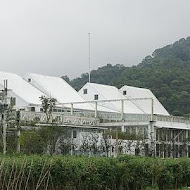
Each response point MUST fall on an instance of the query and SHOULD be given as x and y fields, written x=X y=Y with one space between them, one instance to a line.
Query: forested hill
x=166 y=73
x=103 y=75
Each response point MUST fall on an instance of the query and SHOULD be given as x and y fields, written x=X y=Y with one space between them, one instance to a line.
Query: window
x=32 y=108
x=41 y=109
x=29 y=80
x=96 y=97
x=75 y=134
x=157 y=150
x=13 y=101
x=124 y=92
x=85 y=91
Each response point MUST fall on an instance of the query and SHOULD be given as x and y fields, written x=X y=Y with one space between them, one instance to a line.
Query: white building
x=93 y=91
x=109 y=108
x=144 y=116
x=59 y=89
x=145 y=97
x=26 y=96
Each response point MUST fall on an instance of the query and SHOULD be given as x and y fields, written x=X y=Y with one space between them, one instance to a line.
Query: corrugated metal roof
x=145 y=105
x=21 y=88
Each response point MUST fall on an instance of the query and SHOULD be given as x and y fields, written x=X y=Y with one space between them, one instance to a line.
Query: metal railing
x=172 y=119
x=59 y=118
x=86 y=117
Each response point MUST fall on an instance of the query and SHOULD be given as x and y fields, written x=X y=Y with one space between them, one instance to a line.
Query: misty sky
x=51 y=36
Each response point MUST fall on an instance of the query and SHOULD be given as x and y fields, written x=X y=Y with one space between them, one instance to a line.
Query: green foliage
x=166 y=73
x=167 y=78
x=83 y=173
x=42 y=140
x=103 y=75
x=48 y=105
x=31 y=142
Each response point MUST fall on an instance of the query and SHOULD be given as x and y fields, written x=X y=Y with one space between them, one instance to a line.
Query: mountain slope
x=103 y=75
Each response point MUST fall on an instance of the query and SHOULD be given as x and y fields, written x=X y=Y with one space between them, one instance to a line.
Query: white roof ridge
x=40 y=86
x=107 y=85
x=9 y=73
x=57 y=88
x=141 y=88
x=55 y=77
x=20 y=88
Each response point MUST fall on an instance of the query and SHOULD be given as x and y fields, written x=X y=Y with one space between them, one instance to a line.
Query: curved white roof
x=145 y=105
x=57 y=88
x=21 y=88
x=106 y=92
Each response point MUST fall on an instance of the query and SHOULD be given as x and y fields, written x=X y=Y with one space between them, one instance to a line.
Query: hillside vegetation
x=103 y=75
x=166 y=73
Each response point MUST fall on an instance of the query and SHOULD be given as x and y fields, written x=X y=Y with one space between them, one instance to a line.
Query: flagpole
x=89 y=59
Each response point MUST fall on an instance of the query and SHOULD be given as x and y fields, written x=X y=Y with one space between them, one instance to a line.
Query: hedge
x=95 y=173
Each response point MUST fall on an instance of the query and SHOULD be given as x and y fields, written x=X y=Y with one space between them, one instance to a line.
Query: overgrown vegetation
x=44 y=140
x=166 y=73
x=83 y=173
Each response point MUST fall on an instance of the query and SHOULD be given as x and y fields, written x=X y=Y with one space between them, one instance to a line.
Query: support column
x=186 y=136
x=71 y=108
x=96 y=110
x=152 y=139
x=117 y=144
x=122 y=110
x=18 y=145
x=152 y=108
x=71 y=152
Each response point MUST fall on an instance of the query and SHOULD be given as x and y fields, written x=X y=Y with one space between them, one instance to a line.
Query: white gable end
x=19 y=88
x=131 y=92
x=106 y=92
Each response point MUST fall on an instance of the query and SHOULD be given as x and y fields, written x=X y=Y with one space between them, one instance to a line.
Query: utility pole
x=4 y=117
x=18 y=129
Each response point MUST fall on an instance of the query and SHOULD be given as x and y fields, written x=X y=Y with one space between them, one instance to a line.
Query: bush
x=83 y=173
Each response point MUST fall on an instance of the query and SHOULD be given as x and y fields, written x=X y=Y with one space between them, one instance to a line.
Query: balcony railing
x=89 y=117
x=172 y=119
